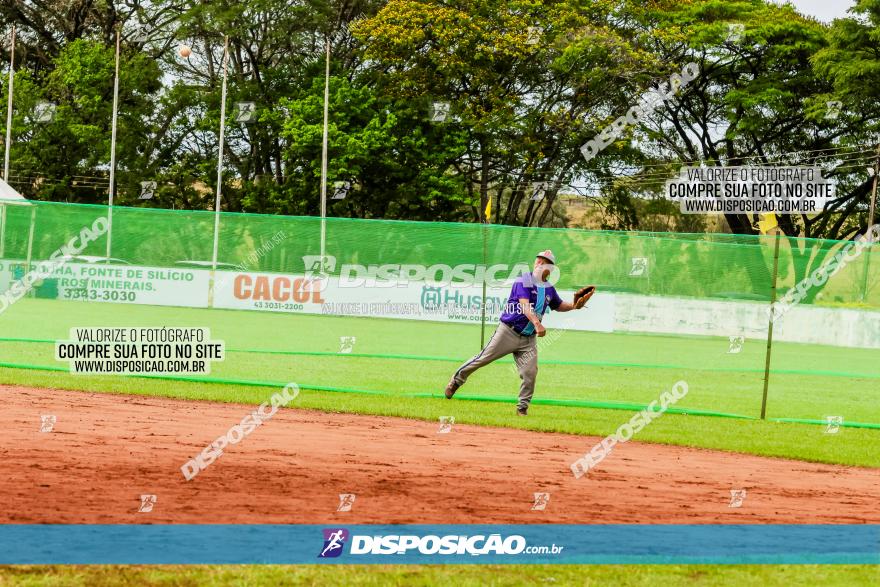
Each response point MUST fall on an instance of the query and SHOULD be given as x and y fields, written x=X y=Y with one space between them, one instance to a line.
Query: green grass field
x=586 y=372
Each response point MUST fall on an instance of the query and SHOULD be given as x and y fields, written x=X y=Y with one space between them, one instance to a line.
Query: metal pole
x=770 y=325
x=873 y=207
x=485 y=264
x=8 y=140
x=9 y=108
x=324 y=154
x=2 y=230
x=113 y=152
x=219 y=190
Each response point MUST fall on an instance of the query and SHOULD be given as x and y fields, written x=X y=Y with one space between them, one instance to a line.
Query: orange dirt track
x=106 y=450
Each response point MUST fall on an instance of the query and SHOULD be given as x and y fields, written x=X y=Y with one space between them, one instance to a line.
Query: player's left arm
x=581 y=297
x=558 y=305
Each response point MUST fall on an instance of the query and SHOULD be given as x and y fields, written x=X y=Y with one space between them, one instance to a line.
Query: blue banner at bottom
x=433 y=544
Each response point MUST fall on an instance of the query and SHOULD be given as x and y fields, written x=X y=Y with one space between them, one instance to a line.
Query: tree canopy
x=436 y=108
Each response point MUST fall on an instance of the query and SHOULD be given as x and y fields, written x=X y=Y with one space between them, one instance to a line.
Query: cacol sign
x=266 y=291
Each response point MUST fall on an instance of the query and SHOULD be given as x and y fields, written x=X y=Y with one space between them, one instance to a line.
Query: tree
x=73 y=146
x=394 y=158
x=521 y=79
x=852 y=64
x=757 y=101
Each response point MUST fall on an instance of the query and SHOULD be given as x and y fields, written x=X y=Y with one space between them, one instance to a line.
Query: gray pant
x=504 y=342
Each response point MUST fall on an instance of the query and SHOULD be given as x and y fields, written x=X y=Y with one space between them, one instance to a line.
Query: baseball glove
x=582 y=295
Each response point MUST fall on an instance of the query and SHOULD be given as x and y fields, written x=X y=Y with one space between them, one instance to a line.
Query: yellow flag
x=488 y=214
x=767 y=223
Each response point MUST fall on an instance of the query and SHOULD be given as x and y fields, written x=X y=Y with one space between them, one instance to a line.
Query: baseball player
x=530 y=297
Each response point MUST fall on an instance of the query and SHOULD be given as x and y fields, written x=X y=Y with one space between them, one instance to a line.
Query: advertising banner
x=411 y=300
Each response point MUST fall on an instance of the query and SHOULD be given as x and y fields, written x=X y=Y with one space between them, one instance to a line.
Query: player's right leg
x=503 y=342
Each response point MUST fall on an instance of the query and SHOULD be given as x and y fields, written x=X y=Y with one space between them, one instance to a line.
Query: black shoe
x=522 y=411
x=451 y=389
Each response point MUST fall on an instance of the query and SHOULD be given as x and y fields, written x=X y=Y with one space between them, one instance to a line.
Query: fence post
x=770 y=324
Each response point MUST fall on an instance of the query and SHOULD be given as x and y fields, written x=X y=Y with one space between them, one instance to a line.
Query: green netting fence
x=672 y=307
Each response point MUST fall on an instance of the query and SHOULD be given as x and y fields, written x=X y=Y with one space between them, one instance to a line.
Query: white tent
x=10 y=197
x=7 y=193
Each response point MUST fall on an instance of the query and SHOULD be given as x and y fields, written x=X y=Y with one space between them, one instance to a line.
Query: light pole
x=873 y=207
x=324 y=146
x=9 y=107
x=219 y=190
x=113 y=152
x=8 y=140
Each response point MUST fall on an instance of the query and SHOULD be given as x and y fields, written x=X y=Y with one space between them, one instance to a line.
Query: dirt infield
x=105 y=451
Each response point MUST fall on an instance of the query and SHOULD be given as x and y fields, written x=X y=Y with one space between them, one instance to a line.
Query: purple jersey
x=540 y=297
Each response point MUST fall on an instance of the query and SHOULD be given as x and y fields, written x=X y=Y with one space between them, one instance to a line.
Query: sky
x=825 y=10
